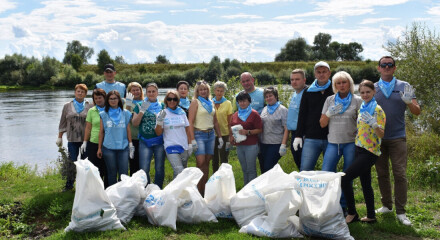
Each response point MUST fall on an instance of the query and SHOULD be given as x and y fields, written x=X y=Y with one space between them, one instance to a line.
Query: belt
x=205 y=131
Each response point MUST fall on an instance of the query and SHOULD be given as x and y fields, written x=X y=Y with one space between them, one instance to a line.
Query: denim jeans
x=333 y=153
x=73 y=149
x=178 y=162
x=116 y=162
x=296 y=154
x=269 y=155
x=205 y=142
x=145 y=156
x=247 y=155
x=312 y=148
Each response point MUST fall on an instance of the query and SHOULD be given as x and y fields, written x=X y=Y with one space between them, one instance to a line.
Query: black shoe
x=354 y=219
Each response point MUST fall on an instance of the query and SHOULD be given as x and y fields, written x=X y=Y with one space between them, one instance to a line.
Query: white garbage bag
x=219 y=190
x=92 y=209
x=192 y=207
x=127 y=194
x=250 y=201
x=281 y=221
x=140 y=210
x=237 y=136
x=321 y=214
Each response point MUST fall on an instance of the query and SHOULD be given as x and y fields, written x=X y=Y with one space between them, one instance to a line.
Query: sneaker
x=403 y=219
x=383 y=209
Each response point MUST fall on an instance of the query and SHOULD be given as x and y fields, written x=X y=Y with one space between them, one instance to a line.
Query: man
x=394 y=96
x=110 y=83
x=248 y=84
x=298 y=83
x=312 y=101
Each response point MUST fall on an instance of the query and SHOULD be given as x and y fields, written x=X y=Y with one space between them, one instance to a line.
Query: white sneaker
x=383 y=209
x=403 y=219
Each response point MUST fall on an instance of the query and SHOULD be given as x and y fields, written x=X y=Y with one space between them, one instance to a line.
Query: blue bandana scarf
x=115 y=114
x=272 y=108
x=154 y=107
x=178 y=110
x=79 y=106
x=387 y=87
x=243 y=114
x=369 y=107
x=295 y=99
x=344 y=101
x=219 y=102
x=100 y=109
x=184 y=102
x=316 y=88
x=137 y=101
x=206 y=104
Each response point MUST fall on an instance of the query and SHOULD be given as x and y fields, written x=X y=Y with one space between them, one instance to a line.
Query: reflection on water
x=29 y=125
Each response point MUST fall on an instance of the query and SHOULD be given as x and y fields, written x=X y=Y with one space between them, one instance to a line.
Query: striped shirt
x=273 y=125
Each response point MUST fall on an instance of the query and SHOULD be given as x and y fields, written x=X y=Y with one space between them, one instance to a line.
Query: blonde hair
x=199 y=84
x=342 y=75
x=136 y=84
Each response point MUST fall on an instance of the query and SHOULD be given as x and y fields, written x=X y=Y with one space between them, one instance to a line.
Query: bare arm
x=414 y=107
x=217 y=127
x=87 y=131
x=379 y=132
x=159 y=130
x=192 y=111
x=187 y=130
x=137 y=117
x=285 y=136
x=101 y=138
x=129 y=132
x=323 y=121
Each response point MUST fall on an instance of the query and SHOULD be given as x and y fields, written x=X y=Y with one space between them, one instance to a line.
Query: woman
x=183 y=88
x=247 y=150
x=149 y=142
x=274 y=137
x=202 y=122
x=223 y=112
x=91 y=134
x=370 y=126
x=115 y=137
x=174 y=125
x=135 y=95
x=73 y=121
x=339 y=113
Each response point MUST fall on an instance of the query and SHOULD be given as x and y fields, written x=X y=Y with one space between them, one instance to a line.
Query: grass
x=32 y=205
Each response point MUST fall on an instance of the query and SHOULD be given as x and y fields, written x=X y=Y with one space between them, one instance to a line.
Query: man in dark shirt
x=315 y=137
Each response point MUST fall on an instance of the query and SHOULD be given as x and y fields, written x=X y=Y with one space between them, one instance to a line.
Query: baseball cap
x=109 y=66
x=321 y=64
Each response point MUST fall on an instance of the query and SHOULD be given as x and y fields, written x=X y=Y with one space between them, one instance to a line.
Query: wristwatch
x=249 y=132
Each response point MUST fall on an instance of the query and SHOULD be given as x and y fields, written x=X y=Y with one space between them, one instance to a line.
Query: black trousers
x=92 y=148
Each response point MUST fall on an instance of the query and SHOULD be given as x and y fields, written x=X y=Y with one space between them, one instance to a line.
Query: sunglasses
x=200 y=82
x=108 y=71
x=172 y=99
x=384 y=65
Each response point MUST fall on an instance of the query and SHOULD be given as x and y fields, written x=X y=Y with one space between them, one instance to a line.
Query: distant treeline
x=24 y=71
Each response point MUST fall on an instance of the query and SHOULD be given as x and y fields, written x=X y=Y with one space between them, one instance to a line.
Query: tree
x=418 y=55
x=103 y=59
x=75 y=47
x=321 y=48
x=350 y=52
x=214 y=70
x=76 y=61
x=120 y=60
x=294 y=50
x=161 y=59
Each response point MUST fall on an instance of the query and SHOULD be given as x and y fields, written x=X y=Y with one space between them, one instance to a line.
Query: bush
x=265 y=77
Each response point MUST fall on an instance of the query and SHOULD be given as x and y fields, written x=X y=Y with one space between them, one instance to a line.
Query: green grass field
x=33 y=206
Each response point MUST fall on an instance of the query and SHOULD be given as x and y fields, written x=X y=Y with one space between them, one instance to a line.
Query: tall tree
x=321 y=48
x=120 y=60
x=161 y=59
x=75 y=47
x=294 y=50
x=214 y=70
x=350 y=52
x=103 y=59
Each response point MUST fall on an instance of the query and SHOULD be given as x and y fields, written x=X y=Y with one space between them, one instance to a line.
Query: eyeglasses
x=384 y=65
x=172 y=99
x=200 y=82
x=113 y=99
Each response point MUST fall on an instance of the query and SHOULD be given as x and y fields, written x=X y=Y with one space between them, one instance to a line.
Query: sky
x=195 y=31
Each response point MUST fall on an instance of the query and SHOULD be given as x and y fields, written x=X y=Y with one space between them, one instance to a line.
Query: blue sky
x=195 y=31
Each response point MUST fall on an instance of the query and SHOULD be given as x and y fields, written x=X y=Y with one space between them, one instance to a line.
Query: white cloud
x=126 y=38
x=108 y=36
x=161 y=3
x=7 y=5
x=259 y=2
x=241 y=15
x=434 y=10
x=189 y=10
x=377 y=20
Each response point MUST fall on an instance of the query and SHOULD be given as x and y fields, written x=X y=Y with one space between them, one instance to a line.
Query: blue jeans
x=296 y=154
x=247 y=155
x=312 y=148
x=73 y=149
x=332 y=155
x=145 y=156
x=205 y=142
x=269 y=155
x=116 y=162
x=178 y=162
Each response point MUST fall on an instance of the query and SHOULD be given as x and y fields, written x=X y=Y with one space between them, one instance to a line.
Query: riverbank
x=33 y=205
x=4 y=88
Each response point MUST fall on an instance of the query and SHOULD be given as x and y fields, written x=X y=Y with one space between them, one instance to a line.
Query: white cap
x=321 y=64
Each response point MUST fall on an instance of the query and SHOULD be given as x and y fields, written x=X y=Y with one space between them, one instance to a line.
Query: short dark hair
x=394 y=62
x=98 y=92
x=182 y=82
x=113 y=92
x=271 y=90
x=243 y=96
x=366 y=83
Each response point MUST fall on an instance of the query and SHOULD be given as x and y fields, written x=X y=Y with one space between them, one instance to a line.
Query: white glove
x=129 y=100
x=131 y=147
x=333 y=110
x=194 y=145
x=145 y=105
x=190 y=149
x=220 y=142
x=370 y=120
x=83 y=147
x=160 y=117
x=407 y=94
x=228 y=146
x=296 y=142
x=59 y=142
x=282 y=150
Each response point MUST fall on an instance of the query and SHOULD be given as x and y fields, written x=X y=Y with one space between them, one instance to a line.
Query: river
x=29 y=126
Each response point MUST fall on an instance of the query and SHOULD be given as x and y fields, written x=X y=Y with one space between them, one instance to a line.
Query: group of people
x=124 y=130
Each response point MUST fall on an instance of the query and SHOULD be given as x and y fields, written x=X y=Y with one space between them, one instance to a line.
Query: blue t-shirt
x=293 y=111
x=394 y=108
x=115 y=136
x=107 y=87
x=257 y=98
